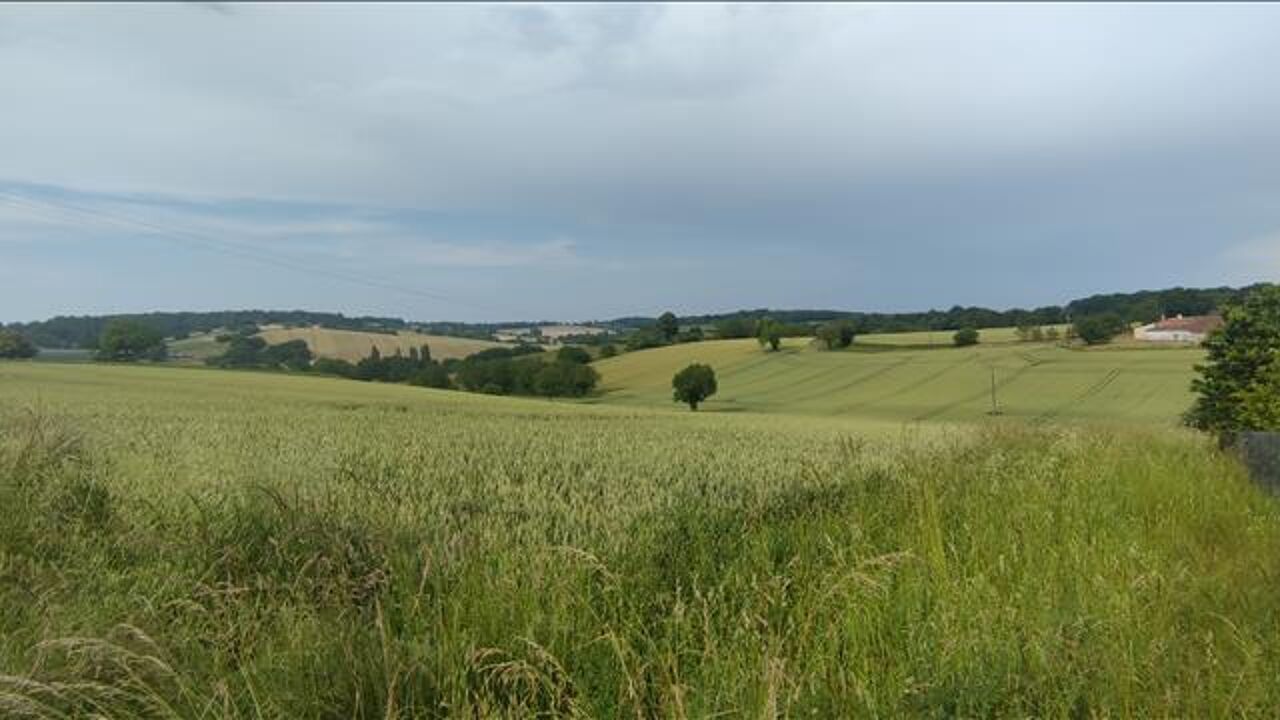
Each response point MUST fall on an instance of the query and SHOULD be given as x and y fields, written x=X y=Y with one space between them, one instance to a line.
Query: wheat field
x=200 y=543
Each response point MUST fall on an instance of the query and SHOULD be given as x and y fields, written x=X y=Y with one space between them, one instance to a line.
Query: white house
x=1193 y=329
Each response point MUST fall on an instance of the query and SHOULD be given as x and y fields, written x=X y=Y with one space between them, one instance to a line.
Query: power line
x=227 y=247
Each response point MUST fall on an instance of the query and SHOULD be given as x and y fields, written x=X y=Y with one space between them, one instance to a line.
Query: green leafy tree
x=608 y=351
x=693 y=334
x=643 y=339
x=573 y=354
x=125 y=340
x=432 y=375
x=293 y=355
x=836 y=334
x=1239 y=382
x=565 y=379
x=667 y=326
x=769 y=333
x=14 y=344
x=333 y=366
x=693 y=384
x=965 y=337
x=1099 y=329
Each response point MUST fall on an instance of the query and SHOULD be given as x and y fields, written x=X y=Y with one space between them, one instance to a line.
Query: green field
x=943 y=338
x=1036 y=382
x=204 y=543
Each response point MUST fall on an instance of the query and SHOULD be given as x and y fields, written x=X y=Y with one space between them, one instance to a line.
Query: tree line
x=84 y=331
x=519 y=370
x=1141 y=306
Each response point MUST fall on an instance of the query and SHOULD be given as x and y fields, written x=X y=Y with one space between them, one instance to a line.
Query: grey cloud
x=866 y=132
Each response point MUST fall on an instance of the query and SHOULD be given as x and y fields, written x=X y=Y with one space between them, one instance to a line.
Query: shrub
x=965 y=337
x=1098 y=329
x=836 y=334
x=566 y=379
x=572 y=354
x=14 y=344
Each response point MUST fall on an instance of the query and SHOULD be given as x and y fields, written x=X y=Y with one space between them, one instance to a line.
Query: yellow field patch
x=352 y=345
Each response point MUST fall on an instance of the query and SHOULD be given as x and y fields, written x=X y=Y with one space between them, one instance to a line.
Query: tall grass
x=498 y=559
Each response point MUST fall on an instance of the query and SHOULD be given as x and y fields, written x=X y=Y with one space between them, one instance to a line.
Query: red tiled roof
x=1196 y=323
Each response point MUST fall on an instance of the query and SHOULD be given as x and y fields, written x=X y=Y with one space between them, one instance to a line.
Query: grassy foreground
x=189 y=543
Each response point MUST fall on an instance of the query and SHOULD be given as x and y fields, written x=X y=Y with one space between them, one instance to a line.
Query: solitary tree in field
x=14 y=344
x=124 y=340
x=1238 y=386
x=769 y=333
x=668 y=326
x=694 y=384
x=965 y=337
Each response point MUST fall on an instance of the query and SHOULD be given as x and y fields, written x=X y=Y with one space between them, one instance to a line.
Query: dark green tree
x=291 y=355
x=333 y=366
x=668 y=326
x=693 y=384
x=1237 y=385
x=14 y=344
x=432 y=375
x=693 y=334
x=126 y=340
x=565 y=379
x=1099 y=329
x=573 y=354
x=836 y=334
x=769 y=333
x=608 y=351
x=965 y=337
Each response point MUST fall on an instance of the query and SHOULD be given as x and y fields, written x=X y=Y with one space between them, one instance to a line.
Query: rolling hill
x=350 y=345
x=1039 y=382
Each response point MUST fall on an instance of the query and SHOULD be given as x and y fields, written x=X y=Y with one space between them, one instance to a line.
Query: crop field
x=1034 y=382
x=196 y=348
x=943 y=337
x=199 y=543
x=351 y=345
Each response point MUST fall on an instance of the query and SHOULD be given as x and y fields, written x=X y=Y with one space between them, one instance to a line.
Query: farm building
x=1193 y=329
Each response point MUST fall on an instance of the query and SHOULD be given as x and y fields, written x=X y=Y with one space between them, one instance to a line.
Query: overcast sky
x=587 y=161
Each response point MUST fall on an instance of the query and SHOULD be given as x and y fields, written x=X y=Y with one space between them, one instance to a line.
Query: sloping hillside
x=1033 y=381
x=351 y=345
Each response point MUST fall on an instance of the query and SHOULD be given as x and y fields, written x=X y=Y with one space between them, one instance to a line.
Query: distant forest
x=1142 y=306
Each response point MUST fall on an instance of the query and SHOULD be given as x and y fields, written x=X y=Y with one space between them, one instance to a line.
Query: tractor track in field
x=820 y=374
x=876 y=373
x=1097 y=387
x=941 y=409
x=909 y=386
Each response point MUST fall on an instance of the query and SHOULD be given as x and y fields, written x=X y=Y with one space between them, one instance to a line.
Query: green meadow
x=1033 y=382
x=193 y=543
